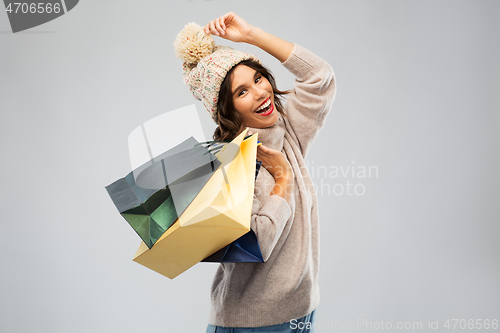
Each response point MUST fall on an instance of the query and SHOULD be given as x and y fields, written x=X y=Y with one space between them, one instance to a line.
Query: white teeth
x=263 y=106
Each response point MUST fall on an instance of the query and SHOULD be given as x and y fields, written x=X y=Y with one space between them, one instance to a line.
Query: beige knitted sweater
x=286 y=285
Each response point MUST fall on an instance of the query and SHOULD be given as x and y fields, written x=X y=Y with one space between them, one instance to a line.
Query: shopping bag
x=154 y=195
x=244 y=249
x=218 y=215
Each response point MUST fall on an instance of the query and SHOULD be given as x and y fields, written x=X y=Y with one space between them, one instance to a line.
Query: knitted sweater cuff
x=296 y=64
x=277 y=208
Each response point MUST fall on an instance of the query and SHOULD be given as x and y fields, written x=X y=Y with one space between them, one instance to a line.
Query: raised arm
x=312 y=97
x=232 y=27
x=314 y=89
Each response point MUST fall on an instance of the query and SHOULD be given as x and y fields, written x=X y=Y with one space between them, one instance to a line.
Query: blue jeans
x=301 y=325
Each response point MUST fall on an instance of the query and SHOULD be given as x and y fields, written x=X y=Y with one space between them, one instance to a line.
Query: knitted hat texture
x=205 y=65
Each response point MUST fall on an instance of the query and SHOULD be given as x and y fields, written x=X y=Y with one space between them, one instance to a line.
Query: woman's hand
x=230 y=26
x=274 y=162
x=277 y=165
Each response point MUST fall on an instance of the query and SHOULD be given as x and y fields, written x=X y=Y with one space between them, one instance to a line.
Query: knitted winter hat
x=205 y=65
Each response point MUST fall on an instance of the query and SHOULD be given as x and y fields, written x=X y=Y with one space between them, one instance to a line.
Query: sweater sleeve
x=314 y=91
x=268 y=221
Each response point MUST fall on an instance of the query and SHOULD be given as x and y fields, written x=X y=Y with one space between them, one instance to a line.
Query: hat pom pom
x=193 y=44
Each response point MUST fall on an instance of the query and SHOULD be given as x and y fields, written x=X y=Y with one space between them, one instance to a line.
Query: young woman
x=281 y=294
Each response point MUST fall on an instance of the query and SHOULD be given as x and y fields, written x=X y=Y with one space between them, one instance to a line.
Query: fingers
x=222 y=23
x=274 y=162
x=268 y=151
x=213 y=30
x=263 y=153
x=228 y=17
x=210 y=28
x=268 y=156
x=216 y=27
x=263 y=150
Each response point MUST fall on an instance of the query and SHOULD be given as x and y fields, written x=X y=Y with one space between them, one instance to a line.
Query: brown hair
x=229 y=120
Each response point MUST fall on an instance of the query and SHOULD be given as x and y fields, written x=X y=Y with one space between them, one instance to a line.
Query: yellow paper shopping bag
x=218 y=215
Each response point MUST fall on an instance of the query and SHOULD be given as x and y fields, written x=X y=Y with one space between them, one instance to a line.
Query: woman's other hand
x=274 y=162
x=229 y=26
x=277 y=165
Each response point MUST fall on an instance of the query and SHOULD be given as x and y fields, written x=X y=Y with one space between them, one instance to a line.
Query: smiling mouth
x=264 y=107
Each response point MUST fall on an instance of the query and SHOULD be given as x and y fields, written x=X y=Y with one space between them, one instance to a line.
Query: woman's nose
x=259 y=93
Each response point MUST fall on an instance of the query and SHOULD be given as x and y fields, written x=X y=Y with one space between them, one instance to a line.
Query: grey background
x=417 y=97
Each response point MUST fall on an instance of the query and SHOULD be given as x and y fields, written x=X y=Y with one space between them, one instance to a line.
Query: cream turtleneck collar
x=272 y=136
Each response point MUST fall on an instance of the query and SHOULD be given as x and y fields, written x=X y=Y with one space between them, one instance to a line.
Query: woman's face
x=253 y=97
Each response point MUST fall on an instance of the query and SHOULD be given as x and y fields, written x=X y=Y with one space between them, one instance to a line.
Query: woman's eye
x=258 y=79
x=241 y=92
